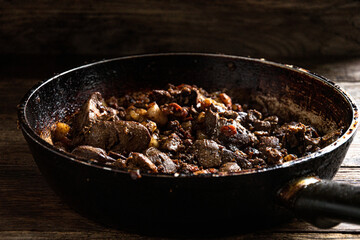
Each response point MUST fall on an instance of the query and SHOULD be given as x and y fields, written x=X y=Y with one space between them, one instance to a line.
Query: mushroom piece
x=207 y=153
x=161 y=160
x=229 y=167
x=140 y=161
x=90 y=152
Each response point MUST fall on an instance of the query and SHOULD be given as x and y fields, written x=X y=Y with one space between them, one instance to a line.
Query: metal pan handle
x=323 y=203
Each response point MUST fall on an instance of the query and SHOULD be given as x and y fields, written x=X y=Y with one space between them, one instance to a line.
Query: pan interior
x=281 y=90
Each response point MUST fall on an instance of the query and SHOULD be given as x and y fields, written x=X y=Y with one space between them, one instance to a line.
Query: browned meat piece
x=137 y=99
x=161 y=97
x=161 y=160
x=270 y=141
x=120 y=163
x=262 y=125
x=187 y=97
x=261 y=133
x=273 y=120
x=207 y=153
x=174 y=110
x=242 y=160
x=311 y=140
x=211 y=122
x=140 y=161
x=172 y=143
x=188 y=168
x=182 y=130
x=229 y=114
x=298 y=138
x=101 y=134
x=132 y=136
x=113 y=102
x=290 y=134
x=310 y=132
x=240 y=139
x=253 y=115
x=116 y=155
x=174 y=125
x=93 y=109
x=258 y=163
x=118 y=136
x=188 y=142
x=331 y=137
x=238 y=156
x=206 y=171
x=252 y=152
x=230 y=167
x=241 y=117
x=228 y=131
x=272 y=155
x=270 y=149
x=228 y=156
x=90 y=152
x=217 y=107
x=187 y=126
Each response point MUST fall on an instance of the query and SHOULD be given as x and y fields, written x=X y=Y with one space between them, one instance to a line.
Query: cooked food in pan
x=183 y=130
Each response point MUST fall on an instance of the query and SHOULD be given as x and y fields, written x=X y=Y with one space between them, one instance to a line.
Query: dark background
x=63 y=34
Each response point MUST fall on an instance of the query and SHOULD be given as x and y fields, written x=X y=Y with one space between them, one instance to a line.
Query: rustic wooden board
x=249 y=28
x=29 y=209
x=336 y=69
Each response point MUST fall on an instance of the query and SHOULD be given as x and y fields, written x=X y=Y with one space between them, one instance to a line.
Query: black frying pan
x=237 y=202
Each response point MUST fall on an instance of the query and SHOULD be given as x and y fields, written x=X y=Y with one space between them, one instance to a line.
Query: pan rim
x=350 y=131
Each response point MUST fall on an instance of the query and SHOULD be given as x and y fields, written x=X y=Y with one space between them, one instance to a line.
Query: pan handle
x=323 y=203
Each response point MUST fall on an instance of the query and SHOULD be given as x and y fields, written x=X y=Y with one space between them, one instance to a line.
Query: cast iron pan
x=205 y=204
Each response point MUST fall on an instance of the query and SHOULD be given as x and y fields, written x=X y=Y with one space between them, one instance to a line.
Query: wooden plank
x=13 y=148
x=27 y=203
x=336 y=69
x=30 y=210
x=353 y=88
x=348 y=175
x=255 y=28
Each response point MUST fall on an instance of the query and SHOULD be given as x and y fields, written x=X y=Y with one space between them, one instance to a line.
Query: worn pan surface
x=162 y=203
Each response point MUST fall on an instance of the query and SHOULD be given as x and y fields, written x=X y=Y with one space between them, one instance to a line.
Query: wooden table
x=29 y=209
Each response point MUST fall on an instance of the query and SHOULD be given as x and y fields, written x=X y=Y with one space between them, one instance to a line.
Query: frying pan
x=205 y=203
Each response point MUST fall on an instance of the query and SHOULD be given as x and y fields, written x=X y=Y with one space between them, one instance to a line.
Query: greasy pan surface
x=157 y=203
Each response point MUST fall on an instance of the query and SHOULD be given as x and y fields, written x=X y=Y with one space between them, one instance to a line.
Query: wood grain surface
x=271 y=28
x=30 y=210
